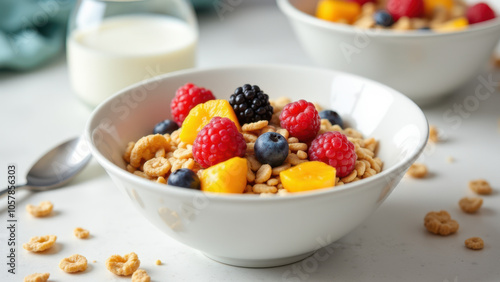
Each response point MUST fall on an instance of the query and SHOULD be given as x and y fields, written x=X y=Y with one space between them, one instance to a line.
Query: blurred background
x=32 y=32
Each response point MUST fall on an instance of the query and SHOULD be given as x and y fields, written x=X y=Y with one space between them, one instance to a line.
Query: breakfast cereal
x=417 y=170
x=81 y=233
x=40 y=243
x=440 y=223
x=156 y=157
x=405 y=15
x=474 y=243
x=37 y=277
x=43 y=209
x=140 y=275
x=73 y=263
x=470 y=205
x=123 y=265
x=433 y=134
x=480 y=186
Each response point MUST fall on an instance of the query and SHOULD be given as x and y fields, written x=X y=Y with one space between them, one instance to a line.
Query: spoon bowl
x=58 y=166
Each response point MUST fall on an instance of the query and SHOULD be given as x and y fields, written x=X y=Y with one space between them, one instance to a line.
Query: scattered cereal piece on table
x=450 y=159
x=470 y=205
x=440 y=223
x=158 y=262
x=474 y=243
x=417 y=170
x=480 y=186
x=40 y=243
x=140 y=275
x=123 y=265
x=74 y=263
x=81 y=233
x=43 y=209
x=37 y=277
x=433 y=134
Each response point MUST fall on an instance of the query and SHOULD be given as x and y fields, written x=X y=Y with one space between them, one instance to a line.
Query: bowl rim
x=175 y=191
x=290 y=10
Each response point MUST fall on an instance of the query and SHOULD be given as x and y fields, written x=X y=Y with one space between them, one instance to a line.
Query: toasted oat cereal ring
x=148 y=146
x=43 y=209
x=128 y=151
x=40 y=243
x=74 y=263
x=81 y=233
x=440 y=223
x=474 y=243
x=470 y=205
x=140 y=275
x=417 y=170
x=123 y=266
x=157 y=167
x=37 y=277
x=433 y=134
x=480 y=186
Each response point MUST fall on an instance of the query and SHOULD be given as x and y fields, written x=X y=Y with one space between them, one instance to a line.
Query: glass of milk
x=113 y=44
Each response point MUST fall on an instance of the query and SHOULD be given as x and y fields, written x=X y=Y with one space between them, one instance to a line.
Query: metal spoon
x=57 y=167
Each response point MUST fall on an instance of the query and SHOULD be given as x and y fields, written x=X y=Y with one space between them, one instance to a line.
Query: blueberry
x=383 y=18
x=184 y=177
x=166 y=126
x=271 y=148
x=332 y=116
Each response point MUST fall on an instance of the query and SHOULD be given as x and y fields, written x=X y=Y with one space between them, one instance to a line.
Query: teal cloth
x=34 y=31
x=31 y=31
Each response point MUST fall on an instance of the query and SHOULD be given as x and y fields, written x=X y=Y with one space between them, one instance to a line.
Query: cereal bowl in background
x=251 y=230
x=423 y=65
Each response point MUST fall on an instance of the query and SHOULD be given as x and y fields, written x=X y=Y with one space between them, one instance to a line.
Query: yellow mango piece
x=308 y=176
x=338 y=11
x=201 y=114
x=453 y=25
x=431 y=5
x=226 y=177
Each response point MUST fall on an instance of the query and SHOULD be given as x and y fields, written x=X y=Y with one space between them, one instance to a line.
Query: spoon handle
x=4 y=191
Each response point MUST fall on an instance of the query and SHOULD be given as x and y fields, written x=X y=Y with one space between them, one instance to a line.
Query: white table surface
x=38 y=110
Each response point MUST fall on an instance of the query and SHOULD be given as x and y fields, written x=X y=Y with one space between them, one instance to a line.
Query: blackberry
x=250 y=104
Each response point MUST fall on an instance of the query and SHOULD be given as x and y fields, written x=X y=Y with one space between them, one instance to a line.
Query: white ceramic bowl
x=425 y=66
x=248 y=230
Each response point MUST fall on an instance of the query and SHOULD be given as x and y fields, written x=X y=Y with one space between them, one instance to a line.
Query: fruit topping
x=250 y=104
x=308 y=176
x=166 y=126
x=184 y=177
x=271 y=148
x=186 y=98
x=218 y=141
x=332 y=116
x=301 y=119
x=334 y=149
x=201 y=115
x=226 y=177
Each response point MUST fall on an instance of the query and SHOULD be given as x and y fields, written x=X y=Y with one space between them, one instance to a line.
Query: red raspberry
x=334 y=149
x=218 y=141
x=186 y=98
x=301 y=119
x=479 y=13
x=405 y=8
